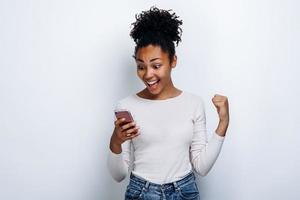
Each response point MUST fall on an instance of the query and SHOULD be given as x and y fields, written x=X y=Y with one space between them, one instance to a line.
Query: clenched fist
x=221 y=103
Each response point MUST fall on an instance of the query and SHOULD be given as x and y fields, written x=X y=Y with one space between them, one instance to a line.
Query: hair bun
x=156 y=22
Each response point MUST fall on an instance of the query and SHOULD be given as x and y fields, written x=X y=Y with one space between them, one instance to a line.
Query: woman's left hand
x=221 y=103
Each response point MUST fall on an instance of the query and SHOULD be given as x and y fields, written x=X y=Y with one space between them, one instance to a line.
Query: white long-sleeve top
x=172 y=140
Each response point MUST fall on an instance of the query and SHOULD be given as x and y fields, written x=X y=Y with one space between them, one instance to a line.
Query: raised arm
x=204 y=153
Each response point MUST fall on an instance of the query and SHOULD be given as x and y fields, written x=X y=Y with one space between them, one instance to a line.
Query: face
x=154 y=69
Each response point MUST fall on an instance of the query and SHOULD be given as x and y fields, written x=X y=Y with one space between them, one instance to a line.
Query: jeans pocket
x=133 y=192
x=189 y=191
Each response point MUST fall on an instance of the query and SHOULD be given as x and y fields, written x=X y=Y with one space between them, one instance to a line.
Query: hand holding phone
x=123 y=113
x=124 y=129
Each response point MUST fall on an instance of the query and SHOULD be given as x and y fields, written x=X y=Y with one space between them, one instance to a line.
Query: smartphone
x=123 y=113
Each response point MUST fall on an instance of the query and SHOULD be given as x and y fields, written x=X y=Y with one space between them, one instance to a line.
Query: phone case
x=123 y=113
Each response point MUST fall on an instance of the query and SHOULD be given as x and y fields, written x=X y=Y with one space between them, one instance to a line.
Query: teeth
x=152 y=82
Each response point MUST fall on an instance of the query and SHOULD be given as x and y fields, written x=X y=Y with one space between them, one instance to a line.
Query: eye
x=157 y=65
x=140 y=67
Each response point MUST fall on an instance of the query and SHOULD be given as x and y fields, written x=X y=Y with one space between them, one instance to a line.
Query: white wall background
x=64 y=64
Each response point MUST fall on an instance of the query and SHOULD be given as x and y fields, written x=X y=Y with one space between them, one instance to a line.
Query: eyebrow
x=143 y=61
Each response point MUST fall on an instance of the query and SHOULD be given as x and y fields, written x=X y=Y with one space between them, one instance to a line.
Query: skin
x=153 y=64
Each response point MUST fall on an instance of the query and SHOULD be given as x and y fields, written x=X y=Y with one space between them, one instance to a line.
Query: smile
x=153 y=85
x=152 y=82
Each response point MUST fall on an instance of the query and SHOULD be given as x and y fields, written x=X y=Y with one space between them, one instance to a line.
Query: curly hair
x=157 y=27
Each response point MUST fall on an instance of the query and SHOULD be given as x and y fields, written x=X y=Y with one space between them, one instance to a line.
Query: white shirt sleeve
x=118 y=164
x=203 y=154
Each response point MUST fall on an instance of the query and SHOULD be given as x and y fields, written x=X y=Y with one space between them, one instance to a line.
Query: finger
x=131 y=131
x=218 y=100
x=130 y=136
x=134 y=135
x=134 y=129
x=128 y=125
x=218 y=95
x=119 y=121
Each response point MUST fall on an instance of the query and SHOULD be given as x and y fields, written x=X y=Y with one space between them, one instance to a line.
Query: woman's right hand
x=124 y=131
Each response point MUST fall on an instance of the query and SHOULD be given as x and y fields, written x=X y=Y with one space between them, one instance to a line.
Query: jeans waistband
x=147 y=183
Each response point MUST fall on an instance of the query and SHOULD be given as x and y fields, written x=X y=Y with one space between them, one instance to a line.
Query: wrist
x=115 y=141
x=115 y=148
x=222 y=127
x=224 y=121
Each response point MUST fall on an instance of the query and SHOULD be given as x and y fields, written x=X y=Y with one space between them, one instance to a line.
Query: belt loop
x=175 y=185
x=147 y=184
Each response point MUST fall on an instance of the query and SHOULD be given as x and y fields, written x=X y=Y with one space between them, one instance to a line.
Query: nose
x=148 y=74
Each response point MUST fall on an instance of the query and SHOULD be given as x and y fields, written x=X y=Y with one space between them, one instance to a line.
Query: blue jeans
x=183 y=189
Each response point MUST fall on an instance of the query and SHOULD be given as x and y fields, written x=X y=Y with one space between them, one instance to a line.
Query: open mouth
x=152 y=85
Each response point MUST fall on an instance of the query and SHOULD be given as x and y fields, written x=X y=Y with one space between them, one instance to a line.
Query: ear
x=174 y=62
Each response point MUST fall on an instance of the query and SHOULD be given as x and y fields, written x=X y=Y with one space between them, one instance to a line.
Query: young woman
x=167 y=141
